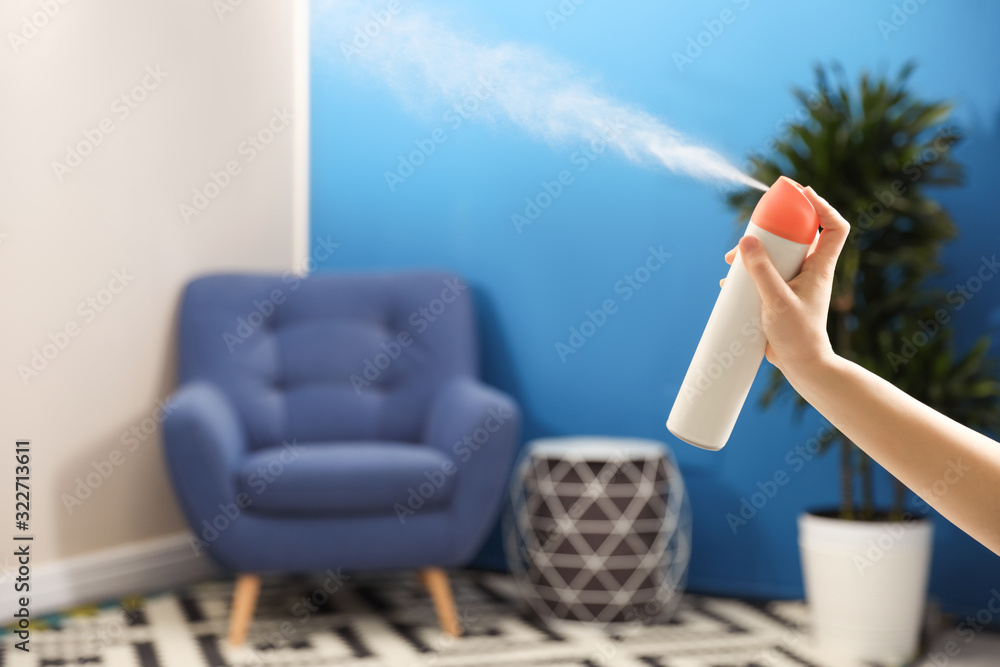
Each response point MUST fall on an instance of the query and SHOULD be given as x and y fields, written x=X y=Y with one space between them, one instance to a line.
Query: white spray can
x=732 y=346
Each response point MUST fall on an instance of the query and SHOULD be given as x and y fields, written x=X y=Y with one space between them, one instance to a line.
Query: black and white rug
x=389 y=621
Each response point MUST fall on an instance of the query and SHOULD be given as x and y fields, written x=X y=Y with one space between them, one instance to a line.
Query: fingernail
x=749 y=244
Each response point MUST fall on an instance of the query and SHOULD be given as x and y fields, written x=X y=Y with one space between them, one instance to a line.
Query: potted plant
x=874 y=151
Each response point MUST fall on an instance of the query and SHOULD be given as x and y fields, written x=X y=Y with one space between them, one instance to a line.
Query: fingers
x=834 y=234
x=812 y=246
x=730 y=256
x=762 y=271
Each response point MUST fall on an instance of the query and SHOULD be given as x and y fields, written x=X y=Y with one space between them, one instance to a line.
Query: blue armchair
x=335 y=422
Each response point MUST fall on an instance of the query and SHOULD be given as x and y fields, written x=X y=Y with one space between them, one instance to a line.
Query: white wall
x=67 y=236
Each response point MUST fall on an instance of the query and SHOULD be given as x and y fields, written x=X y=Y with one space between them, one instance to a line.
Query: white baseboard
x=130 y=569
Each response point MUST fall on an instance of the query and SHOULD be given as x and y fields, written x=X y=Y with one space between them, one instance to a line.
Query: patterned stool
x=599 y=530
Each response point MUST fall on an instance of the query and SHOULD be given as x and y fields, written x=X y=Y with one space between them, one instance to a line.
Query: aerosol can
x=732 y=346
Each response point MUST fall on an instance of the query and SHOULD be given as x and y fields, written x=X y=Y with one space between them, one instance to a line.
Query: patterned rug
x=389 y=621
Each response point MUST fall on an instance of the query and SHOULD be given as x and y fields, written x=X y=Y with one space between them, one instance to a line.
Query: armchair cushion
x=346 y=478
x=331 y=357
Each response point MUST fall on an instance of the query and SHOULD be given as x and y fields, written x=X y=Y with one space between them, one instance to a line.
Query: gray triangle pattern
x=604 y=541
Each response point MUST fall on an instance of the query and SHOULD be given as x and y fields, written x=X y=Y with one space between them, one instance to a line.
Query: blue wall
x=532 y=287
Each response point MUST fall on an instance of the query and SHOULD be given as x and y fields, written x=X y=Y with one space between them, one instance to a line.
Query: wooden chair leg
x=244 y=604
x=436 y=581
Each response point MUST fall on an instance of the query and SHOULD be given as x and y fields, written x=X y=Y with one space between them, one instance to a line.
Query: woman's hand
x=922 y=448
x=794 y=314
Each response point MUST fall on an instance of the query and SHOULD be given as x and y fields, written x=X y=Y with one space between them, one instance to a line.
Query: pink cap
x=784 y=211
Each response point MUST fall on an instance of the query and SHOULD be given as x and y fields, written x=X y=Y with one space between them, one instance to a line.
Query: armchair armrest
x=479 y=428
x=203 y=441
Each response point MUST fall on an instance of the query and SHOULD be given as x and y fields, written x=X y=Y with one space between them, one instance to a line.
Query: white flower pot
x=866 y=585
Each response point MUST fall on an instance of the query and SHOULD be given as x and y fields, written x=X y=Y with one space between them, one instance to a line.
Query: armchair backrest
x=331 y=357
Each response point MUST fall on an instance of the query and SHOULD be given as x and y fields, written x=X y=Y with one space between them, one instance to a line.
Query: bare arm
x=952 y=467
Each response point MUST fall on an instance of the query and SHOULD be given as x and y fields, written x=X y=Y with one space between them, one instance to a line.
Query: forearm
x=952 y=467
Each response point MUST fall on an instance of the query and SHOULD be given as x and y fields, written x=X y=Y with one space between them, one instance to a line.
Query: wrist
x=808 y=377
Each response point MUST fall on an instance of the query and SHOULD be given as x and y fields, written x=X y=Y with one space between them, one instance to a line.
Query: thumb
x=762 y=271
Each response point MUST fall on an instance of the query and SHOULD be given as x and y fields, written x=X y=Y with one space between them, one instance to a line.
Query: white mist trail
x=423 y=61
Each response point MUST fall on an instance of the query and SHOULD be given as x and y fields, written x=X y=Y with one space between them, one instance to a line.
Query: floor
x=388 y=621
x=982 y=650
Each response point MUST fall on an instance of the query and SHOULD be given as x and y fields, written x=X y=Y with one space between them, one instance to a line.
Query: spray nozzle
x=786 y=212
